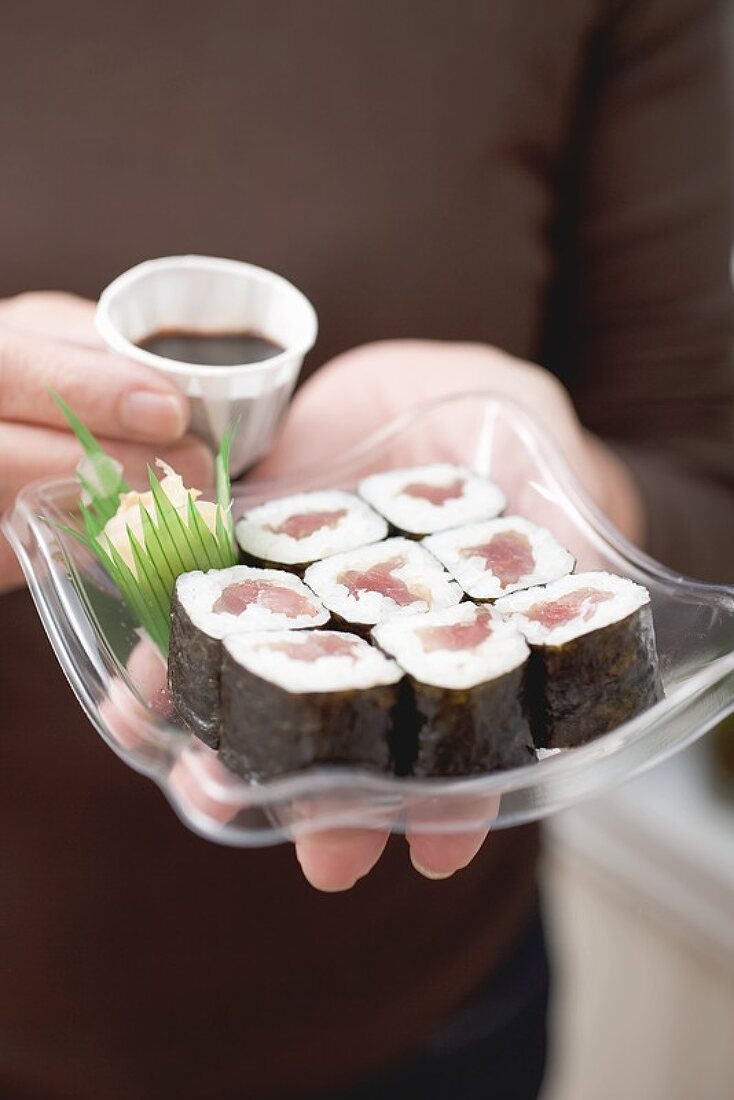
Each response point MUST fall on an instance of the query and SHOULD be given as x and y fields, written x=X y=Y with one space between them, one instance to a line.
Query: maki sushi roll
x=500 y=556
x=291 y=532
x=595 y=660
x=293 y=699
x=466 y=668
x=394 y=577
x=424 y=499
x=206 y=607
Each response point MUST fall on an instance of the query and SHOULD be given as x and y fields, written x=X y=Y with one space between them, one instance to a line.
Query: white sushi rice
x=474 y=575
x=365 y=667
x=357 y=527
x=198 y=592
x=479 y=499
x=421 y=573
x=405 y=639
x=627 y=597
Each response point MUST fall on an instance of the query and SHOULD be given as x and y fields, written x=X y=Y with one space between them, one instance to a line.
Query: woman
x=551 y=180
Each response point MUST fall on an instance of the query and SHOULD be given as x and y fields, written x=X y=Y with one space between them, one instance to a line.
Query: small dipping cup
x=210 y=296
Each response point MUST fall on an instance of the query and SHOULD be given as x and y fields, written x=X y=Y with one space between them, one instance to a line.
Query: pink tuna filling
x=315 y=646
x=236 y=598
x=508 y=554
x=303 y=524
x=379 y=578
x=456 y=636
x=574 y=605
x=435 y=494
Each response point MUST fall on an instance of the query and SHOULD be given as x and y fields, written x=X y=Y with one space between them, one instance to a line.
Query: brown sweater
x=552 y=178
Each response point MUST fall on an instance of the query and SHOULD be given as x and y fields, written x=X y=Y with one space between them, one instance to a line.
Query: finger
x=199 y=782
x=336 y=859
x=439 y=857
x=52 y=313
x=189 y=457
x=445 y=834
x=147 y=668
x=113 y=396
x=125 y=714
x=28 y=453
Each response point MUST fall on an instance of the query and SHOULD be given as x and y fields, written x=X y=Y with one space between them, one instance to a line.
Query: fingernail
x=333 y=888
x=154 y=415
x=435 y=875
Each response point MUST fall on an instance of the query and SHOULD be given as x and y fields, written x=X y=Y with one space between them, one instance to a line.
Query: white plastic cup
x=208 y=294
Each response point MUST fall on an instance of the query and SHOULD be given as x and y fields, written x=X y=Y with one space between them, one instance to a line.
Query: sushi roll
x=206 y=607
x=595 y=661
x=466 y=668
x=424 y=499
x=293 y=699
x=291 y=532
x=500 y=556
x=394 y=577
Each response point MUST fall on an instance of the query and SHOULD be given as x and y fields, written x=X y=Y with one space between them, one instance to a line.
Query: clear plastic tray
x=119 y=678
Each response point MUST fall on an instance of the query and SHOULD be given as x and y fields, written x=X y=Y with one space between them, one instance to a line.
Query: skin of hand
x=345 y=402
x=48 y=342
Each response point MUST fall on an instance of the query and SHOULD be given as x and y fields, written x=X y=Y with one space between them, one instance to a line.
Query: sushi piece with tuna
x=466 y=669
x=500 y=556
x=423 y=499
x=294 y=699
x=394 y=577
x=206 y=607
x=291 y=532
x=595 y=660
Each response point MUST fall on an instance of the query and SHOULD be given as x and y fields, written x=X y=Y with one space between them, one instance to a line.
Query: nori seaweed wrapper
x=473 y=730
x=267 y=731
x=194 y=662
x=297 y=568
x=594 y=683
x=339 y=622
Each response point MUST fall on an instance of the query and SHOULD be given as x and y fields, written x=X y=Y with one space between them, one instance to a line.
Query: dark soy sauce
x=212 y=349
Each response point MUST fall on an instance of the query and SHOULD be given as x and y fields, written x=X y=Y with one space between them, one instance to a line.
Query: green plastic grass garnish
x=167 y=542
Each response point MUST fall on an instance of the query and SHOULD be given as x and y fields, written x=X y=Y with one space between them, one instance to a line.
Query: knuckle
x=18 y=301
x=34 y=299
x=546 y=383
x=29 y=305
x=20 y=304
x=58 y=298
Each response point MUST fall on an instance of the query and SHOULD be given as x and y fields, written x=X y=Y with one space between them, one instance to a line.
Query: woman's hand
x=351 y=398
x=48 y=342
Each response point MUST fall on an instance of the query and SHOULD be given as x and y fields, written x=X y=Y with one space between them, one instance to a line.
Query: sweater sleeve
x=648 y=323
